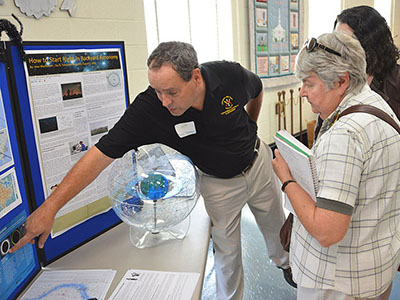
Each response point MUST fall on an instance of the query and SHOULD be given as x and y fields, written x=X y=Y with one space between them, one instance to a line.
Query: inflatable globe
x=154 y=189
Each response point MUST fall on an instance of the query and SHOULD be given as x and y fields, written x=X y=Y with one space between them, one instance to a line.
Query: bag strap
x=369 y=109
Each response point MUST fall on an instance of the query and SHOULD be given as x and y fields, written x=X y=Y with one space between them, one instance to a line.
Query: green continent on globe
x=155 y=186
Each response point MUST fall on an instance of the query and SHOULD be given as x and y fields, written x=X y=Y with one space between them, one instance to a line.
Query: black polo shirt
x=223 y=142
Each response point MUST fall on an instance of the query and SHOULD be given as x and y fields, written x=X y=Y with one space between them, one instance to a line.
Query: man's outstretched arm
x=40 y=222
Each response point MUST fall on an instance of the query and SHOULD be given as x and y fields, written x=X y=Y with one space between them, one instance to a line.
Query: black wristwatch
x=286 y=183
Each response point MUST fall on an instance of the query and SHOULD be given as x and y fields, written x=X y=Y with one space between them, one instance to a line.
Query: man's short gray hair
x=330 y=67
x=181 y=56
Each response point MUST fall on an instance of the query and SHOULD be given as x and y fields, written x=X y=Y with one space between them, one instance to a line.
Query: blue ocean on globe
x=154 y=187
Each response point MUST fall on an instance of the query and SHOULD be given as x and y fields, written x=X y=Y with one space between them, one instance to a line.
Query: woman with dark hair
x=375 y=36
x=382 y=54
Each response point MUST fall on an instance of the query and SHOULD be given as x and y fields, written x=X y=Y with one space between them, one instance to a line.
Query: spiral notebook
x=301 y=162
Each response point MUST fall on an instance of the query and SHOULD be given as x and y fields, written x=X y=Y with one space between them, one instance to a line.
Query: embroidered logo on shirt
x=227 y=102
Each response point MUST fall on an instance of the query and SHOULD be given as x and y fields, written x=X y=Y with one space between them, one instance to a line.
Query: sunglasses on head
x=312 y=43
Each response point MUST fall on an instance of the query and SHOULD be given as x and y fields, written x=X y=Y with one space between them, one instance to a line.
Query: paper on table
x=155 y=285
x=71 y=284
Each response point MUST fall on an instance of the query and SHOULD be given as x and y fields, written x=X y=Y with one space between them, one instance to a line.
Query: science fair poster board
x=70 y=95
x=16 y=269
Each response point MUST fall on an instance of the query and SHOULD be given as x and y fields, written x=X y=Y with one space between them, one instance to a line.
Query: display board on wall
x=16 y=269
x=275 y=38
x=69 y=95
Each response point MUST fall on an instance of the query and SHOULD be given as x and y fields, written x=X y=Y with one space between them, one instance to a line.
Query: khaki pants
x=224 y=200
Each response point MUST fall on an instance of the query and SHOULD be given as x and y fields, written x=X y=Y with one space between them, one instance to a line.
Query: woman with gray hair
x=347 y=244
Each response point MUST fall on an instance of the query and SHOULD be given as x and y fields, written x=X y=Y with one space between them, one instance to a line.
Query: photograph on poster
x=71 y=90
x=77 y=147
x=261 y=41
x=98 y=128
x=48 y=124
x=78 y=84
x=261 y=15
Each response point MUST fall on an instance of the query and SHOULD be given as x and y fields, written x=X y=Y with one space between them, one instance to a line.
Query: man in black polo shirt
x=200 y=112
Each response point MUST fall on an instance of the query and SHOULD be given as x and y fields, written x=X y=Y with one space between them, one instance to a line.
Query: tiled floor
x=262 y=280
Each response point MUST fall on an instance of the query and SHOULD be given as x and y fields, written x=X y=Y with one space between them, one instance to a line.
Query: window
x=322 y=16
x=320 y=23
x=384 y=8
x=206 y=24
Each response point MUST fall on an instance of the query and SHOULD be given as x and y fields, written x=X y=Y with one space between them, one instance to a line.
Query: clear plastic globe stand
x=153 y=190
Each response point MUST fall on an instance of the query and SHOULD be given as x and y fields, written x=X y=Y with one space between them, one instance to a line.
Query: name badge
x=185 y=129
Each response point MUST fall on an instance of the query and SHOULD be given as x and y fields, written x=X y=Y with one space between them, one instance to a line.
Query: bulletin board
x=69 y=94
x=276 y=35
x=16 y=269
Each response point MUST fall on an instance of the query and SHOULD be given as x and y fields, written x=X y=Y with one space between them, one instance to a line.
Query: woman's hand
x=280 y=167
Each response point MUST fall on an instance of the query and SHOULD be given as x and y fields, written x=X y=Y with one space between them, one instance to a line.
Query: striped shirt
x=358 y=164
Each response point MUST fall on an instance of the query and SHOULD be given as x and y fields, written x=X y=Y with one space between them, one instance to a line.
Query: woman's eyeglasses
x=312 y=43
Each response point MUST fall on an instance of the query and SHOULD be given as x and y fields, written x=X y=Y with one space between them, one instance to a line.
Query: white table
x=113 y=250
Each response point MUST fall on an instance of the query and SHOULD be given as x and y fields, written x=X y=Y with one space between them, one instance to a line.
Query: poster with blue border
x=16 y=269
x=64 y=91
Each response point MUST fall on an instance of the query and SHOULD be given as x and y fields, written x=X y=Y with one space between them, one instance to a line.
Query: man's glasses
x=312 y=43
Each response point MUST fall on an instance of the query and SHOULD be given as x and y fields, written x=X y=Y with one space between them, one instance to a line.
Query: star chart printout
x=6 y=158
x=76 y=96
x=155 y=285
x=70 y=285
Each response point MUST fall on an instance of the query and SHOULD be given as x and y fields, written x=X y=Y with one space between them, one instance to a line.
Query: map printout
x=6 y=158
x=70 y=285
x=10 y=196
